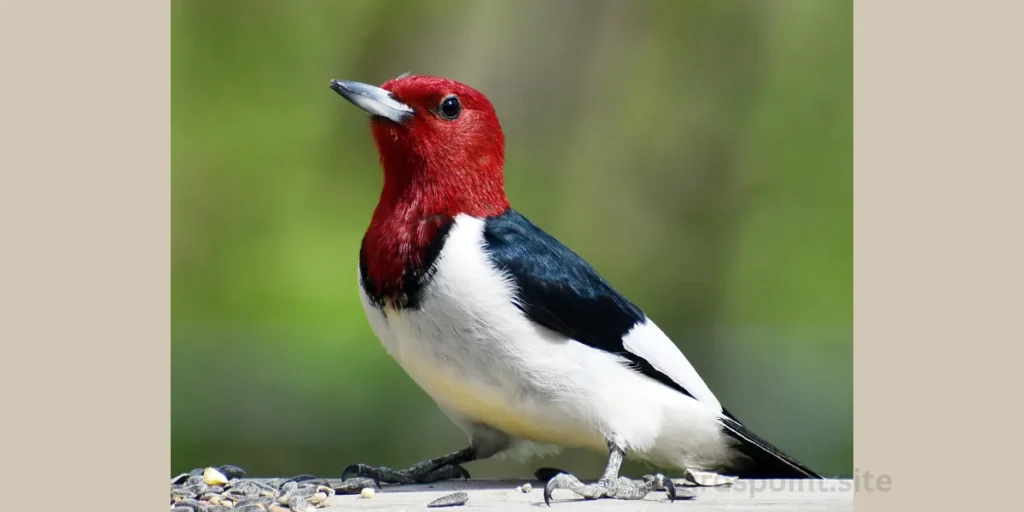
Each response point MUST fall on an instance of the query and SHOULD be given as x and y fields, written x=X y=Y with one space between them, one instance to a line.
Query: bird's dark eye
x=450 y=107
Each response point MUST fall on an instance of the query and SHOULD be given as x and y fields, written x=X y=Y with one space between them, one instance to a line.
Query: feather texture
x=561 y=291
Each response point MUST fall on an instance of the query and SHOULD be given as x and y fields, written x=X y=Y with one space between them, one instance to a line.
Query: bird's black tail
x=765 y=461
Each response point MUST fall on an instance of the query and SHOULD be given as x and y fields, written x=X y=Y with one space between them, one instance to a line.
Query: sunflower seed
x=214 y=477
x=301 y=504
x=295 y=494
x=452 y=500
x=198 y=489
x=318 y=498
x=178 y=491
x=191 y=505
x=250 y=489
x=232 y=472
x=288 y=487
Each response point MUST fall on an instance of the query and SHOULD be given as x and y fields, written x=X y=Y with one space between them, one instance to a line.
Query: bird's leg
x=445 y=467
x=611 y=485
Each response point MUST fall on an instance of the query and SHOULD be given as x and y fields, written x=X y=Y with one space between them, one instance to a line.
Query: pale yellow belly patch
x=492 y=408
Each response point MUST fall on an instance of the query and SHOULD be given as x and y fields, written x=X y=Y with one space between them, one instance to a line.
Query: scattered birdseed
x=224 y=488
x=367 y=492
x=452 y=500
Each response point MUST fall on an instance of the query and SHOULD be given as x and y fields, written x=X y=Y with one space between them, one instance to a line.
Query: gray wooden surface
x=781 y=495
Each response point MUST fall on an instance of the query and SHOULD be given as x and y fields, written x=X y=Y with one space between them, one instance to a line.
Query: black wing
x=560 y=291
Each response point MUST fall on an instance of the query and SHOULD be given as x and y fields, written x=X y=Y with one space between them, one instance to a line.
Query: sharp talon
x=548 y=489
x=670 y=489
x=463 y=472
x=560 y=481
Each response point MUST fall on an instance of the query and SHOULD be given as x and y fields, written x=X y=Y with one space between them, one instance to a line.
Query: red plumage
x=434 y=169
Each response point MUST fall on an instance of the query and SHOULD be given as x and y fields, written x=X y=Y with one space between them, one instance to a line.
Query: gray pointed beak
x=375 y=101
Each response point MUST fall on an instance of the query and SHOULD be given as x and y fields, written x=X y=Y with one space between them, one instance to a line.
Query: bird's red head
x=443 y=153
x=440 y=144
x=451 y=150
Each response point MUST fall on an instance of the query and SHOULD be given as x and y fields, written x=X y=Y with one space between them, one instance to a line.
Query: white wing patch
x=649 y=342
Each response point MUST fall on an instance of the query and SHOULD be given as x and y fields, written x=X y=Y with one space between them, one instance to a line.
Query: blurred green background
x=697 y=153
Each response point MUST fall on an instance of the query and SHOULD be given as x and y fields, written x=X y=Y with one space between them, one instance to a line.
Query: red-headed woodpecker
x=516 y=338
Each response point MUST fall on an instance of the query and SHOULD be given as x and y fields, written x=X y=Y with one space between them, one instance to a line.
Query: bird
x=516 y=338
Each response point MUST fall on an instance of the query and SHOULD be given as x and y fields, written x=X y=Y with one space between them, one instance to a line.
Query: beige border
x=937 y=229
x=84 y=212
x=85 y=252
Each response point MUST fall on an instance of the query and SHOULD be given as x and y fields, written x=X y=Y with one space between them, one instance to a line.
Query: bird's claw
x=415 y=475
x=363 y=471
x=354 y=485
x=621 y=489
x=659 y=482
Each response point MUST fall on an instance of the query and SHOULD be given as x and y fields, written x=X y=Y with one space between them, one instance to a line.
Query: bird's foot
x=621 y=488
x=355 y=485
x=445 y=467
x=418 y=474
x=694 y=478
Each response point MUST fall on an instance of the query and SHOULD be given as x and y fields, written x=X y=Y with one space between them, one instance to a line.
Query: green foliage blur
x=697 y=153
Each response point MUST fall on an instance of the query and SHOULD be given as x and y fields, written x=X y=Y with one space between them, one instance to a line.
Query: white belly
x=481 y=359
